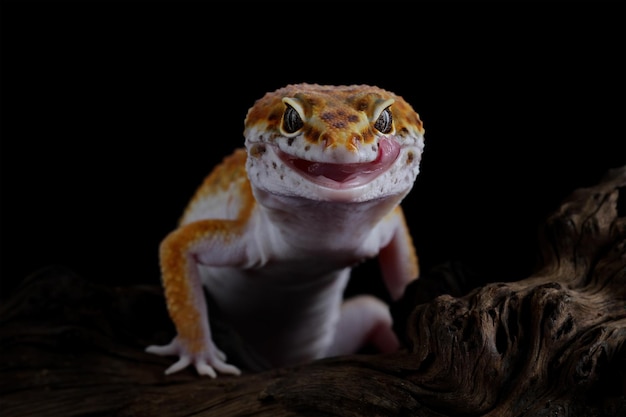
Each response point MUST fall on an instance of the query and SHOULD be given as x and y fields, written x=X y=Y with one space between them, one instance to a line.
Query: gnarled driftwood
x=550 y=345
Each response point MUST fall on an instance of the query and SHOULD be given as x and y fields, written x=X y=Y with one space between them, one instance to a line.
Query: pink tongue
x=335 y=172
x=388 y=151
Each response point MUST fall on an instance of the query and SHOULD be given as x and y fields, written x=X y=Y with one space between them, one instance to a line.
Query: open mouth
x=345 y=175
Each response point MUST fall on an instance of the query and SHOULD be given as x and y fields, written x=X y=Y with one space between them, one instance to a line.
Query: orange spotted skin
x=274 y=230
x=343 y=111
x=231 y=172
x=179 y=294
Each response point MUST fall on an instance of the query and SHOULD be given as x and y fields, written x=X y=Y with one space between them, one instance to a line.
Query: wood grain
x=553 y=344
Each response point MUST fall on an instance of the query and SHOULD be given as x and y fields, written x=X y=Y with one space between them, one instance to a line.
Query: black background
x=112 y=114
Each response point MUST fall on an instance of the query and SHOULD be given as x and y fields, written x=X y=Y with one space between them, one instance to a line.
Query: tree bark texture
x=552 y=344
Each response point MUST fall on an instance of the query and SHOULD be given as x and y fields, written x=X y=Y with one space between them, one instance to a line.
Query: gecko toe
x=225 y=368
x=205 y=369
x=182 y=363
x=164 y=350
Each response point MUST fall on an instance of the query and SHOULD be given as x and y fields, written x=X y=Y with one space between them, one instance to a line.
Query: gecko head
x=345 y=143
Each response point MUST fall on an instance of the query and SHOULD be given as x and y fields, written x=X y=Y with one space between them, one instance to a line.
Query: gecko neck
x=324 y=224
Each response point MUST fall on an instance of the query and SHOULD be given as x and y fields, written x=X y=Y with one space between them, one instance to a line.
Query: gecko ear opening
x=292 y=117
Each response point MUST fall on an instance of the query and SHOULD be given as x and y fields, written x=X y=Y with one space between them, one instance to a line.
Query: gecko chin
x=344 y=176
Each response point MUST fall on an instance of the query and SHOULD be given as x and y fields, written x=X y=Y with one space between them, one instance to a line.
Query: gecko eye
x=384 y=123
x=291 y=120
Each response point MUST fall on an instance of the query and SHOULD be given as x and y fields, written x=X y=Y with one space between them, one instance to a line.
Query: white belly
x=285 y=317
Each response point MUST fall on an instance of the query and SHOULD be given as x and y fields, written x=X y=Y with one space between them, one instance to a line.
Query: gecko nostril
x=329 y=141
x=353 y=143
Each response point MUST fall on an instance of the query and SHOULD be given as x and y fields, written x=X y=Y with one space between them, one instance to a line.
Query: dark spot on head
x=362 y=105
x=327 y=116
x=312 y=135
x=335 y=119
x=274 y=165
x=375 y=148
x=307 y=147
x=403 y=131
x=290 y=141
x=257 y=150
x=275 y=115
x=353 y=118
x=368 y=136
x=409 y=158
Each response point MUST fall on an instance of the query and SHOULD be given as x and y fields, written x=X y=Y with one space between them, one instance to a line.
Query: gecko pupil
x=291 y=120
x=384 y=122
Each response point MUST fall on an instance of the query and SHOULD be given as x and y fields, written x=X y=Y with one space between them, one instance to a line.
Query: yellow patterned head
x=336 y=137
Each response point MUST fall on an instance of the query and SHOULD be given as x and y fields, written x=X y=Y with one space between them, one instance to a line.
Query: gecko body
x=274 y=231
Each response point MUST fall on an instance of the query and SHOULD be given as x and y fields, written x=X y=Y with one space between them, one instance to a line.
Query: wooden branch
x=551 y=344
x=547 y=344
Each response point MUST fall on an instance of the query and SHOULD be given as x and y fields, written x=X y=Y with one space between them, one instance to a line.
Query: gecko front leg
x=210 y=242
x=398 y=261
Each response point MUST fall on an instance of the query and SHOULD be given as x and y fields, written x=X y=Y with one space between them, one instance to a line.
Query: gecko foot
x=365 y=320
x=206 y=362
